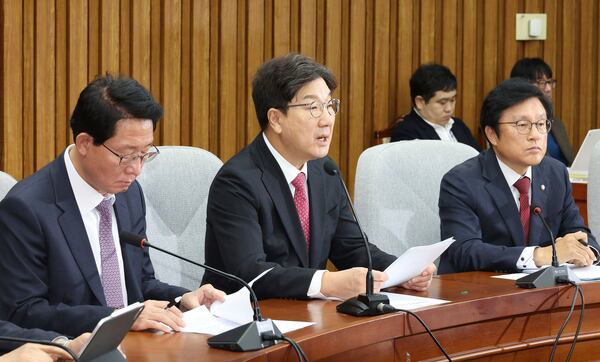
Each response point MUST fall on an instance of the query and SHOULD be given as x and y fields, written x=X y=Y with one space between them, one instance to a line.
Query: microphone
x=552 y=275
x=368 y=303
x=248 y=337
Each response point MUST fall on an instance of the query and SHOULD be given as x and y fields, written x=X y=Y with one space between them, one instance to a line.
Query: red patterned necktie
x=110 y=275
x=523 y=186
x=301 y=202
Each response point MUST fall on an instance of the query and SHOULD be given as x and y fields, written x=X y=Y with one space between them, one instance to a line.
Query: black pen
x=174 y=303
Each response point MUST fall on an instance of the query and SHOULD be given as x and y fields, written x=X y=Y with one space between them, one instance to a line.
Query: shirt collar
x=446 y=127
x=289 y=171
x=86 y=196
x=509 y=174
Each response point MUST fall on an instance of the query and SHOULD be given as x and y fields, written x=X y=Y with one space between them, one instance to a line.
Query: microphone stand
x=365 y=304
x=247 y=337
x=551 y=275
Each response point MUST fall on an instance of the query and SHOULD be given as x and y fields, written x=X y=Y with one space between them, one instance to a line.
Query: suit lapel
x=539 y=197
x=73 y=229
x=124 y=223
x=279 y=191
x=502 y=197
x=316 y=194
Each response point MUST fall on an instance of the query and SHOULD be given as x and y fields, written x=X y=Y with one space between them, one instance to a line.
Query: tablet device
x=108 y=334
x=581 y=164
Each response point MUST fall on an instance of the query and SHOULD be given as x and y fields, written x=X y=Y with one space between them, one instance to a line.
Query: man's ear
x=83 y=143
x=275 y=117
x=491 y=135
x=419 y=103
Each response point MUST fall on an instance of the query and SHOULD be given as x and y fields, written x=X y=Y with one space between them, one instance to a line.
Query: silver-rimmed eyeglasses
x=130 y=159
x=316 y=108
x=524 y=127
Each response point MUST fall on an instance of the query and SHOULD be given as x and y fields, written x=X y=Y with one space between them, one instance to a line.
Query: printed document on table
x=413 y=261
x=585 y=274
x=235 y=311
x=411 y=302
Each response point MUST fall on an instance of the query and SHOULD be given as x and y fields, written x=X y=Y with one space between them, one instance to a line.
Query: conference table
x=485 y=319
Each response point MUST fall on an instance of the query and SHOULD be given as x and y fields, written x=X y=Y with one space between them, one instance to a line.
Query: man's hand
x=571 y=248
x=205 y=295
x=350 y=282
x=31 y=352
x=155 y=316
x=422 y=281
x=76 y=345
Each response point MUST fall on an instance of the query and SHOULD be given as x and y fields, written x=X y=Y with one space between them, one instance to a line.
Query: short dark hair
x=278 y=80
x=507 y=94
x=106 y=100
x=430 y=78
x=531 y=69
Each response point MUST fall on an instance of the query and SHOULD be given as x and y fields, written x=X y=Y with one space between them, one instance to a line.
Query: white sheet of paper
x=410 y=302
x=200 y=320
x=237 y=307
x=413 y=261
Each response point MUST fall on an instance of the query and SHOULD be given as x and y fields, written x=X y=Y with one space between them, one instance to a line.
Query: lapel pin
x=543 y=187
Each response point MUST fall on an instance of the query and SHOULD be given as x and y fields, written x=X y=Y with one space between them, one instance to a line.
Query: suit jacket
x=479 y=210
x=559 y=132
x=252 y=226
x=8 y=329
x=414 y=127
x=48 y=276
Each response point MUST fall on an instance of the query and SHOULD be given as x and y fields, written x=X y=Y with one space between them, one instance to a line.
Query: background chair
x=397 y=189
x=6 y=183
x=176 y=188
x=593 y=191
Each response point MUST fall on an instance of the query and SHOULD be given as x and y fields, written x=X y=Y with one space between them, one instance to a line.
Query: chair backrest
x=593 y=191
x=385 y=135
x=6 y=183
x=397 y=189
x=176 y=188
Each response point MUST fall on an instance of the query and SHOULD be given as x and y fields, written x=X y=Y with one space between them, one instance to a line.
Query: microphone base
x=364 y=305
x=247 y=337
x=547 y=277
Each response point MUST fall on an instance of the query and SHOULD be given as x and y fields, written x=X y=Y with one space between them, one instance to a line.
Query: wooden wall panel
x=198 y=58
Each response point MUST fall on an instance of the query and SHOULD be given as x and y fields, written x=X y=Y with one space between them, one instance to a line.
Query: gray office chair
x=593 y=191
x=6 y=183
x=176 y=188
x=397 y=189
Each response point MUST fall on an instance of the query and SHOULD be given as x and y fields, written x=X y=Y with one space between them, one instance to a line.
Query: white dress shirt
x=87 y=199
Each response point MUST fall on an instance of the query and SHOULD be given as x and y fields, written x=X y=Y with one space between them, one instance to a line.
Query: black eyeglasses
x=543 y=83
x=316 y=108
x=524 y=127
x=130 y=159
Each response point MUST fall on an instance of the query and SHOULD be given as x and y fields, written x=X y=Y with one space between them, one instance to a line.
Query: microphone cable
x=579 y=292
x=23 y=341
x=280 y=337
x=390 y=308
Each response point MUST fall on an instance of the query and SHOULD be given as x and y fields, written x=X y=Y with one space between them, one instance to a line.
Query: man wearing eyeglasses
x=486 y=202
x=273 y=207
x=539 y=73
x=62 y=267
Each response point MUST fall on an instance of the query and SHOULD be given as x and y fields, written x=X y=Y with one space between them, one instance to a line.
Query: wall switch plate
x=531 y=26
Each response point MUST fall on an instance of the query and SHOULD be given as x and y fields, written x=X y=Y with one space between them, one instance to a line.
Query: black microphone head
x=329 y=167
x=536 y=210
x=131 y=238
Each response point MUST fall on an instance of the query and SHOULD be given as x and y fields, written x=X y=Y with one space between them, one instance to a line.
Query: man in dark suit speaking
x=62 y=267
x=486 y=201
x=433 y=94
x=273 y=206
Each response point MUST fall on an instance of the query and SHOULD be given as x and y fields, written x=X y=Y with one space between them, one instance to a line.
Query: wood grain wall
x=198 y=58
